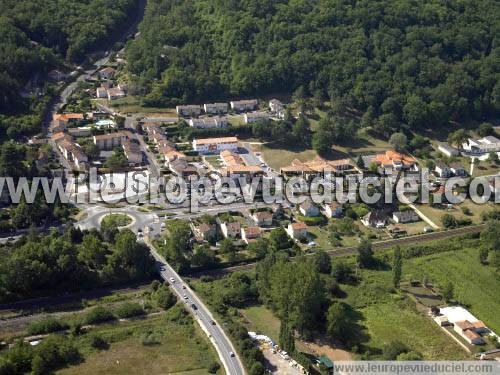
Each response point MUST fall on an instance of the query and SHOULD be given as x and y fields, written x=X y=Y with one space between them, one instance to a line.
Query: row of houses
x=71 y=150
x=215 y=145
x=316 y=167
x=193 y=110
x=481 y=146
x=234 y=166
x=121 y=139
x=208 y=122
x=381 y=218
x=444 y=170
x=166 y=148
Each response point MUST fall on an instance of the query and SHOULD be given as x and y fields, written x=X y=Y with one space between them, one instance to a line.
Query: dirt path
x=320 y=347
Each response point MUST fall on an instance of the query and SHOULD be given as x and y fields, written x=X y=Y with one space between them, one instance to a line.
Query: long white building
x=215 y=145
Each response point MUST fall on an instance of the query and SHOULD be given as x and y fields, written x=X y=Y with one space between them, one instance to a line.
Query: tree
x=365 y=254
x=286 y=336
x=493 y=158
x=398 y=141
x=449 y=221
x=486 y=129
x=323 y=262
x=92 y=251
x=448 y=292
x=483 y=255
x=458 y=137
x=321 y=142
x=117 y=160
x=278 y=239
x=392 y=350
x=397 y=267
x=360 y=162
x=340 y=321
x=227 y=246
x=300 y=131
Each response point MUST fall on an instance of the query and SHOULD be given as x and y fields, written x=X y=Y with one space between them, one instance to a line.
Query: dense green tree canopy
x=419 y=62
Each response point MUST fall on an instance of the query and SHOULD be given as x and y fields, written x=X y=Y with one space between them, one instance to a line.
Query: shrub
x=213 y=368
x=98 y=315
x=129 y=310
x=392 y=350
x=149 y=338
x=97 y=342
x=49 y=325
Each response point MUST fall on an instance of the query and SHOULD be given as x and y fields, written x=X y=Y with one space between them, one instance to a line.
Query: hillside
x=401 y=61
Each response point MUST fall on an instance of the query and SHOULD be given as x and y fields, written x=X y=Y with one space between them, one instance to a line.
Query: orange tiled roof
x=299 y=225
x=390 y=156
x=67 y=116
x=209 y=141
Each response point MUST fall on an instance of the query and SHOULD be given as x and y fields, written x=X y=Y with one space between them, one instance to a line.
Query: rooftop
x=209 y=141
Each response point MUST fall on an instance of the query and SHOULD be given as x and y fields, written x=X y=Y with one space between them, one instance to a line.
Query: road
x=227 y=353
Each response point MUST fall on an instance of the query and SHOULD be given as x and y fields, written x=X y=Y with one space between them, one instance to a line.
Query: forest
x=37 y=36
x=402 y=62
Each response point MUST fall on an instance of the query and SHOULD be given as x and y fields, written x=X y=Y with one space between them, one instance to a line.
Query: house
x=297 y=231
x=98 y=115
x=82 y=131
x=204 y=231
x=495 y=187
x=215 y=108
x=250 y=234
x=442 y=170
x=188 y=110
x=208 y=123
x=408 y=216
x=133 y=152
x=395 y=161
x=230 y=158
x=181 y=168
x=333 y=209
x=70 y=150
x=230 y=229
x=252 y=117
x=244 y=105
x=101 y=93
x=458 y=170
x=115 y=93
x=309 y=209
x=447 y=150
x=67 y=119
x=394 y=230
x=215 y=145
x=277 y=108
x=110 y=141
x=482 y=146
x=316 y=167
x=468 y=332
x=262 y=218
x=237 y=171
x=107 y=73
x=376 y=219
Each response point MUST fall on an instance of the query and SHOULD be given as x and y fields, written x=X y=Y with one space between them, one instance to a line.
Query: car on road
x=183 y=287
x=185 y=296
x=231 y=354
x=172 y=280
x=194 y=307
x=213 y=323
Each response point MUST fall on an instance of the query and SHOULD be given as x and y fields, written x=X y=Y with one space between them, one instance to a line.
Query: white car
x=185 y=296
x=172 y=280
x=231 y=354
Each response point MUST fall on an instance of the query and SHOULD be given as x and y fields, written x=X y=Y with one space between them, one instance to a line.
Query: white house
x=374 y=219
x=101 y=93
x=277 y=108
x=467 y=331
x=255 y=116
x=115 y=93
x=215 y=145
x=244 y=105
x=458 y=169
x=408 y=216
x=263 y=218
x=250 y=234
x=482 y=146
x=333 y=209
x=133 y=152
x=215 y=108
x=297 y=231
x=230 y=229
x=309 y=209
x=207 y=123
x=443 y=170
x=188 y=110
x=107 y=73
x=447 y=150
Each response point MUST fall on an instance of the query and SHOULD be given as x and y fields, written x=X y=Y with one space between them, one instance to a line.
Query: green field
x=180 y=348
x=388 y=316
x=116 y=220
x=475 y=286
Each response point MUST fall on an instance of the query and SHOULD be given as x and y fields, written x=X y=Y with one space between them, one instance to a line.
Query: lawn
x=435 y=213
x=132 y=104
x=260 y=319
x=279 y=157
x=116 y=220
x=475 y=286
x=180 y=348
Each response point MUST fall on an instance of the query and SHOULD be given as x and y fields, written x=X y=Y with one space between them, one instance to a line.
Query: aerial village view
x=161 y=166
